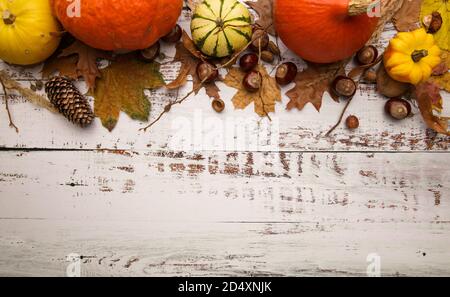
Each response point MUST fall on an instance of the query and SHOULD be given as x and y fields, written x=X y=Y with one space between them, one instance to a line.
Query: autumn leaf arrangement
x=257 y=71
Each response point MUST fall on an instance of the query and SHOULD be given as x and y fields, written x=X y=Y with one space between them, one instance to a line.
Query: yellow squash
x=27 y=31
x=411 y=56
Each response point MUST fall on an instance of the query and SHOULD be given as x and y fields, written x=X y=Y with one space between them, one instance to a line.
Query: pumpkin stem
x=418 y=55
x=8 y=17
x=359 y=7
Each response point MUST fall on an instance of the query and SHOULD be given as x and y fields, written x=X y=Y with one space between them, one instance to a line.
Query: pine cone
x=69 y=101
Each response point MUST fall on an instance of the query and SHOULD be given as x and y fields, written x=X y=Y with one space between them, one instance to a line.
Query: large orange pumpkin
x=324 y=31
x=118 y=24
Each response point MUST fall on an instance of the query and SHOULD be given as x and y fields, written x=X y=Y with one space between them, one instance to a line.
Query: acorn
x=273 y=48
x=286 y=73
x=174 y=35
x=367 y=55
x=150 y=54
x=218 y=105
x=252 y=81
x=207 y=72
x=344 y=86
x=260 y=41
x=267 y=56
x=352 y=122
x=398 y=108
x=248 y=61
x=433 y=22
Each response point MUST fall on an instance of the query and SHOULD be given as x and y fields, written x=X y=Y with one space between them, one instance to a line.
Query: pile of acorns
x=346 y=87
x=262 y=48
x=265 y=49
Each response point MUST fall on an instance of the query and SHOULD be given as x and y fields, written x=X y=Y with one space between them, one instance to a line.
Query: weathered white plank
x=292 y=131
x=225 y=187
x=127 y=248
x=141 y=213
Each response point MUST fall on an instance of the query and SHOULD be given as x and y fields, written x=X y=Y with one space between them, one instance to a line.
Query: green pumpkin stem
x=8 y=17
x=418 y=55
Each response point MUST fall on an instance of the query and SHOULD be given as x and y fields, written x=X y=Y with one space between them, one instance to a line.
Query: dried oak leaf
x=87 y=61
x=389 y=87
x=312 y=83
x=442 y=37
x=65 y=66
x=264 y=8
x=264 y=99
x=188 y=55
x=441 y=74
x=408 y=17
x=388 y=9
x=428 y=96
x=121 y=88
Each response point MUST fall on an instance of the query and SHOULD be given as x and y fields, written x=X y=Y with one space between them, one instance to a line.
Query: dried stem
x=202 y=83
x=28 y=94
x=11 y=123
x=168 y=107
x=340 y=118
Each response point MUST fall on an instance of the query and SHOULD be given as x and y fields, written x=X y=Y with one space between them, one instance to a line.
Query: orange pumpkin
x=118 y=25
x=324 y=31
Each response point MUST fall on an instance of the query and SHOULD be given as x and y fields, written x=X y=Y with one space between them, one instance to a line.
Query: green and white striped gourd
x=221 y=27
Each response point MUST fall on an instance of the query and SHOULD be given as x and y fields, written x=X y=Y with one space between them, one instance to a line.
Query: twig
x=168 y=107
x=340 y=118
x=343 y=111
x=352 y=74
x=11 y=123
x=28 y=94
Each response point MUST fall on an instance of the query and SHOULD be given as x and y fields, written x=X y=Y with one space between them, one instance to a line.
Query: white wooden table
x=132 y=203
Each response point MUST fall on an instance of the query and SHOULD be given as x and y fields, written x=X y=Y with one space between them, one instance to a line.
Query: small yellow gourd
x=411 y=56
x=27 y=31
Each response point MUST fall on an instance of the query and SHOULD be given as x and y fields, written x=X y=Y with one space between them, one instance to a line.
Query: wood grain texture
x=183 y=201
x=116 y=248
x=224 y=214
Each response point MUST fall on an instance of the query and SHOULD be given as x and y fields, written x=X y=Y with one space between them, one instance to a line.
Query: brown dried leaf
x=388 y=9
x=427 y=94
x=87 y=61
x=359 y=70
x=264 y=8
x=264 y=99
x=441 y=73
x=65 y=66
x=408 y=17
x=189 y=44
x=389 y=87
x=188 y=55
x=312 y=83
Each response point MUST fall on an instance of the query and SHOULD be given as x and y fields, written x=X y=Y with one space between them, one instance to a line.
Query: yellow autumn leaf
x=443 y=7
x=121 y=88
x=264 y=100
